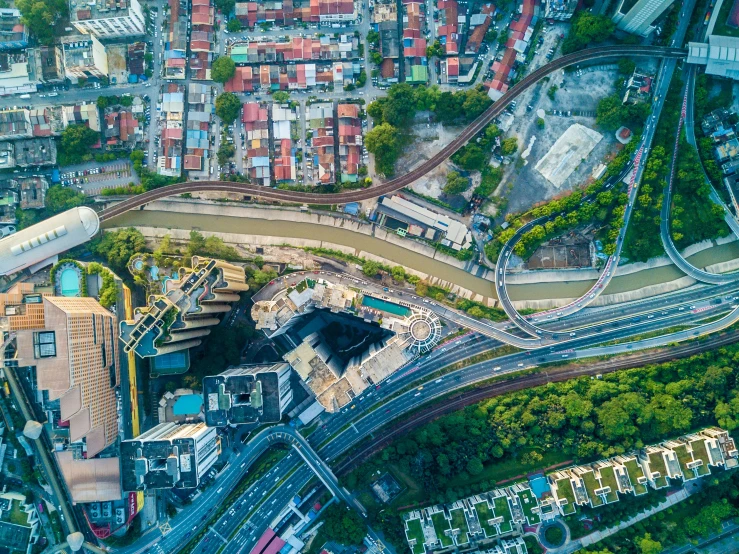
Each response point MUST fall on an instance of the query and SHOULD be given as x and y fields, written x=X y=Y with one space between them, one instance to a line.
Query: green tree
x=40 y=16
x=234 y=25
x=228 y=107
x=373 y=37
x=646 y=545
x=398 y=273
x=626 y=66
x=226 y=151
x=455 y=183
x=586 y=28
x=281 y=96
x=76 y=141
x=384 y=141
x=117 y=247
x=509 y=146
x=59 y=199
x=341 y=525
x=223 y=69
x=540 y=122
x=474 y=466
x=370 y=268
x=225 y=6
x=551 y=93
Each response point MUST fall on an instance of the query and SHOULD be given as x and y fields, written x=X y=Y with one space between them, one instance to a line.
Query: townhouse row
x=503 y=512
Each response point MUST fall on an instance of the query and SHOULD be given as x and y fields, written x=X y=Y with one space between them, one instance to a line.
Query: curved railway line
x=395 y=184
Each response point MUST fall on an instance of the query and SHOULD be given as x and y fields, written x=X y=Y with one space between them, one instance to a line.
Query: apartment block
x=274 y=12
x=247 y=394
x=72 y=345
x=637 y=16
x=87 y=114
x=630 y=474
x=484 y=517
x=13 y=33
x=284 y=149
x=255 y=117
x=107 y=18
x=320 y=121
x=169 y=456
x=179 y=318
x=350 y=141
x=84 y=58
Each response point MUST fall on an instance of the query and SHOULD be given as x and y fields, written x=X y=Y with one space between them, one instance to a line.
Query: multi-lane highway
x=346 y=429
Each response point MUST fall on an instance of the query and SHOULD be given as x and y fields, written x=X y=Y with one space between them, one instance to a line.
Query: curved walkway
x=395 y=184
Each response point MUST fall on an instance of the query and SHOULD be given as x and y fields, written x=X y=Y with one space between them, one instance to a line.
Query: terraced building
x=179 y=318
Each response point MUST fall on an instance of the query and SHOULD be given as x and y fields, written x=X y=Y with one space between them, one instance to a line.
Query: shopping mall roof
x=47 y=239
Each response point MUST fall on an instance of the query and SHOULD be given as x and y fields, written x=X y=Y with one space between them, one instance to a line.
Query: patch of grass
x=721 y=27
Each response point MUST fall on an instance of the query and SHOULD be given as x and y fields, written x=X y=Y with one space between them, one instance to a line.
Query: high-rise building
x=107 y=18
x=247 y=394
x=169 y=456
x=72 y=344
x=177 y=319
x=637 y=16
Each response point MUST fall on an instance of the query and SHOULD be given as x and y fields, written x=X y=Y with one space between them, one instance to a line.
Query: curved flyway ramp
x=398 y=183
x=674 y=254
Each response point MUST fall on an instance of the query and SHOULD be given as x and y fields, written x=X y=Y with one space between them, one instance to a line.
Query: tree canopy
x=228 y=107
x=117 y=247
x=59 y=199
x=40 y=16
x=342 y=525
x=233 y=26
x=281 y=96
x=223 y=68
x=384 y=141
x=75 y=143
x=455 y=183
x=586 y=28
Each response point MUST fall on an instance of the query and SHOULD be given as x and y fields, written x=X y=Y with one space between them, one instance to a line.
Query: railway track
x=398 y=183
x=555 y=375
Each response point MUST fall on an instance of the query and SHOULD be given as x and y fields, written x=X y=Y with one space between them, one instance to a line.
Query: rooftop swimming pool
x=384 y=306
x=70 y=281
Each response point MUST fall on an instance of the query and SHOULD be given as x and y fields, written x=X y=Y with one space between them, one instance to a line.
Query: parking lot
x=92 y=177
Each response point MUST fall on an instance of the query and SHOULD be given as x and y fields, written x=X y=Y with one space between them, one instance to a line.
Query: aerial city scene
x=369 y=276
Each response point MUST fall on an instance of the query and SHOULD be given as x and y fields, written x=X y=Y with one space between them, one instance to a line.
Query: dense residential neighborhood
x=379 y=276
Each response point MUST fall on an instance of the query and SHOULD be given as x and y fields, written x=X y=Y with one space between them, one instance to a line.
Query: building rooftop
x=47 y=239
x=93 y=480
x=97 y=9
x=246 y=394
x=35 y=152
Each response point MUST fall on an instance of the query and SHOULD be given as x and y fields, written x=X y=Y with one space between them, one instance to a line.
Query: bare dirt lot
x=574 y=93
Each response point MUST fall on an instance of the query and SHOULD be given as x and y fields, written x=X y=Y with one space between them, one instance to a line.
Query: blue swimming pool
x=70 y=281
x=384 y=306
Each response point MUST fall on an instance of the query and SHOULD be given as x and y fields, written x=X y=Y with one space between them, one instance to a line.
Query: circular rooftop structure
x=424 y=330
